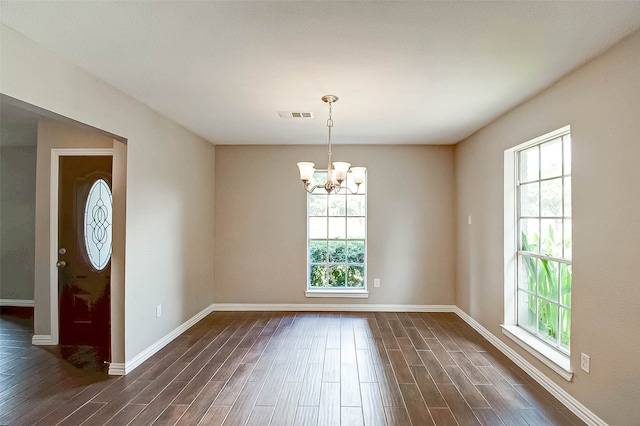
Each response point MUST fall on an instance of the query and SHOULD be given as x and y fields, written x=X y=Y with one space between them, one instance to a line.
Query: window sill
x=362 y=294
x=553 y=359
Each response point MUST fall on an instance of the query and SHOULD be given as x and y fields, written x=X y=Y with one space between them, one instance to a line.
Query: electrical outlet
x=585 y=362
x=158 y=311
x=376 y=282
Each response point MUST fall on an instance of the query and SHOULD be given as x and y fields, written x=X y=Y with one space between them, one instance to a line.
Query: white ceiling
x=405 y=72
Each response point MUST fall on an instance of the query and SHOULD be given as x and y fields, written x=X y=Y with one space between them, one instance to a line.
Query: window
x=538 y=284
x=336 y=231
x=97 y=224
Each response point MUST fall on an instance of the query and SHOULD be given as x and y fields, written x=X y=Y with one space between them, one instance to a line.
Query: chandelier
x=337 y=171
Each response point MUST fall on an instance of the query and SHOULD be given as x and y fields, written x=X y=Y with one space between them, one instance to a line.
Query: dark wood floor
x=283 y=368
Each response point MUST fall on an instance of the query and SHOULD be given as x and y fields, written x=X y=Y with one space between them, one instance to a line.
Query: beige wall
x=601 y=102
x=169 y=189
x=17 y=219
x=261 y=223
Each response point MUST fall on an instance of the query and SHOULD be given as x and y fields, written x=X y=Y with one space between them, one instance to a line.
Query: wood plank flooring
x=283 y=368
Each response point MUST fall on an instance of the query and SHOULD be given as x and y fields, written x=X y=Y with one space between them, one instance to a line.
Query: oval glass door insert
x=97 y=224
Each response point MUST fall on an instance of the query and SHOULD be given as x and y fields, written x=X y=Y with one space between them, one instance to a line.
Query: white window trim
x=552 y=358
x=557 y=361
x=360 y=293
x=340 y=292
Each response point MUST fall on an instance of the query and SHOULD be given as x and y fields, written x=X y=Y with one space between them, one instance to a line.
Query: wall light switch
x=158 y=311
x=585 y=362
x=469 y=219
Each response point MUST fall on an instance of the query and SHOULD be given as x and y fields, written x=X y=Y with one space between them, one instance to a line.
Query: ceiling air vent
x=289 y=114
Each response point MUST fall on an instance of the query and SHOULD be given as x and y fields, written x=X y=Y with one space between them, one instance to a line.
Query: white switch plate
x=376 y=282
x=585 y=362
x=158 y=311
x=469 y=219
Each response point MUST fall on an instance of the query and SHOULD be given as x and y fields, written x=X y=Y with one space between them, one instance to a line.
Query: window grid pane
x=544 y=241
x=336 y=236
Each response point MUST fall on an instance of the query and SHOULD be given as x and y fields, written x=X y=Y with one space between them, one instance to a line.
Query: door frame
x=56 y=153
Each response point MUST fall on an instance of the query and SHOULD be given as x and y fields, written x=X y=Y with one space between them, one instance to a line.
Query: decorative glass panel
x=97 y=224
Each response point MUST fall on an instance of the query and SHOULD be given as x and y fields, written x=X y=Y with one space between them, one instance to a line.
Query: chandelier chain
x=336 y=172
x=329 y=126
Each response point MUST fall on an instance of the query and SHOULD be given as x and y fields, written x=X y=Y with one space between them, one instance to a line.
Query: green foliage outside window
x=337 y=263
x=548 y=292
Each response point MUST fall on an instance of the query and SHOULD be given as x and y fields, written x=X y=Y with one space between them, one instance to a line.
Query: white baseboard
x=42 y=340
x=17 y=303
x=326 y=307
x=565 y=398
x=119 y=369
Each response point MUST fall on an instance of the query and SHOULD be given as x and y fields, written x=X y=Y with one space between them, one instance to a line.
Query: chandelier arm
x=339 y=187
x=309 y=190
x=329 y=187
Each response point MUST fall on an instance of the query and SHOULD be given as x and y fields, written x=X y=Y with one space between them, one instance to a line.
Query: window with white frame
x=336 y=235
x=543 y=239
